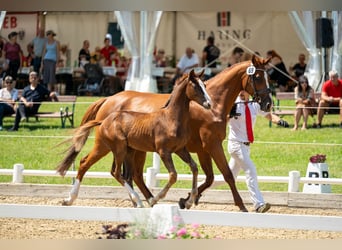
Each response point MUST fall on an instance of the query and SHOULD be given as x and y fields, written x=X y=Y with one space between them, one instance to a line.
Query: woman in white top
x=8 y=96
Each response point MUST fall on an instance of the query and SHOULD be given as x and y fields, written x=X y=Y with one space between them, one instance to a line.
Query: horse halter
x=251 y=70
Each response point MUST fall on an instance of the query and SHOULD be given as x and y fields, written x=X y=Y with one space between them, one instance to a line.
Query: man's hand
x=233 y=112
x=283 y=123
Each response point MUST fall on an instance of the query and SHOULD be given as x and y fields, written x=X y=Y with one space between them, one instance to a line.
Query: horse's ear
x=200 y=74
x=255 y=60
x=267 y=60
x=192 y=73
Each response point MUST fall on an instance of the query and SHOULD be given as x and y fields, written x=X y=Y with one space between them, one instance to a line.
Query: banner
x=252 y=31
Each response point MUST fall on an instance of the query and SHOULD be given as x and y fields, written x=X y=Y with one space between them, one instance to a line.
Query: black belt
x=247 y=143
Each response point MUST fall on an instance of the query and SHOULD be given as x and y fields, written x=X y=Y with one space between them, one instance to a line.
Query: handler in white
x=239 y=147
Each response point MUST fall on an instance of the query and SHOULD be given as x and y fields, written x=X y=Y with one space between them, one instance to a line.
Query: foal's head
x=195 y=89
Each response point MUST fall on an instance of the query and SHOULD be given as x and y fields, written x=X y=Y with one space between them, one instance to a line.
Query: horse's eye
x=257 y=78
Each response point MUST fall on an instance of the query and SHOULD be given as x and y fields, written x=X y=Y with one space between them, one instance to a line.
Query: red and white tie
x=249 y=123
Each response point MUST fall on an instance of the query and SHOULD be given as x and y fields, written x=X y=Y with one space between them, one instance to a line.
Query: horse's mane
x=232 y=67
x=177 y=84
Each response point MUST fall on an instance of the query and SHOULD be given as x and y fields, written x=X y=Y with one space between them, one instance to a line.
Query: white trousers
x=240 y=159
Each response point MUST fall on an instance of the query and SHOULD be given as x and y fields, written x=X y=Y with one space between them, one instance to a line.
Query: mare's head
x=256 y=83
x=194 y=88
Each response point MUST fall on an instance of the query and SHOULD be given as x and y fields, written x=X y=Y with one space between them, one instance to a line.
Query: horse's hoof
x=197 y=199
x=152 y=202
x=188 y=205
x=140 y=206
x=181 y=203
x=66 y=203
x=244 y=210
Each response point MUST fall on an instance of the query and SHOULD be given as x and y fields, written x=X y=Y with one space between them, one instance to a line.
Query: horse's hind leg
x=186 y=157
x=167 y=159
x=138 y=162
x=116 y=172
x=86 y=162
x=126 y=174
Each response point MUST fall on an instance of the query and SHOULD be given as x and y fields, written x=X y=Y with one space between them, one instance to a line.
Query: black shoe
x=12 y=129
x=263 y=208
x=317 y=125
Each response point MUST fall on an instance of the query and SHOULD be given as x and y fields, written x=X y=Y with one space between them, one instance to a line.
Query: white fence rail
x=167 y=212
x=293 y=180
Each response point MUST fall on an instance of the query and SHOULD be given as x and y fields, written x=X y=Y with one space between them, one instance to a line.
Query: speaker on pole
x=324 y=33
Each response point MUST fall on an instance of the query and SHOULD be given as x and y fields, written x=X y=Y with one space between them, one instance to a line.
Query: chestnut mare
x=207 y=131
x=164 y=131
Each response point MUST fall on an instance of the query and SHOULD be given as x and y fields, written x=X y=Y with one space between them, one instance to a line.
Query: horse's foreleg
x=167 y=159
x=207 y=167
x=186 y=157
x=219 y=157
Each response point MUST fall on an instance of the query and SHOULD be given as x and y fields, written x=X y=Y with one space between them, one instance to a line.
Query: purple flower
x=319 y=158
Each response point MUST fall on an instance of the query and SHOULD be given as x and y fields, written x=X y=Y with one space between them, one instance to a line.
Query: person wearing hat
x=13 y=54
x=8 y=96
x=50 y=59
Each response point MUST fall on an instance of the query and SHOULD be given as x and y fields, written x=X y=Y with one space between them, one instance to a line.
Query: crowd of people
x=45 y=54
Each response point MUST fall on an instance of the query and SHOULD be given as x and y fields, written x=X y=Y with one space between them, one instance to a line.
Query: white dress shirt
x=237 y=127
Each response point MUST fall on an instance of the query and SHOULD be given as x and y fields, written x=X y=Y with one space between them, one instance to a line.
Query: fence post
x=156 y=166
x=294 y=178
x=156 y=161
x=151 y=177
x=163 y=218
x=18 y=177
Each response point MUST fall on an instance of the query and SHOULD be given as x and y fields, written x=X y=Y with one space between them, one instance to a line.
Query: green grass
x=276 y=150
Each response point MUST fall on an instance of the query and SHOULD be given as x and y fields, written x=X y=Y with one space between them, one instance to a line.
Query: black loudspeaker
x=324 y=33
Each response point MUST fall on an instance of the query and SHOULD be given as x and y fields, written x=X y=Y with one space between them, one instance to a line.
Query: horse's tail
x=92 y=110
x=79 y=139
